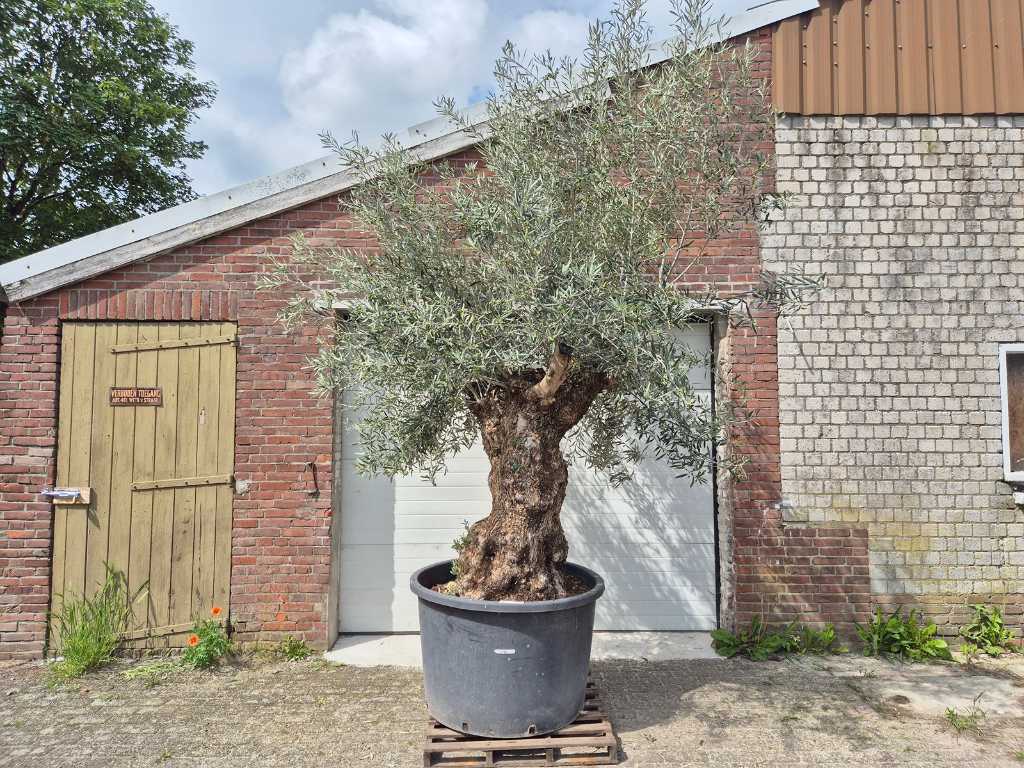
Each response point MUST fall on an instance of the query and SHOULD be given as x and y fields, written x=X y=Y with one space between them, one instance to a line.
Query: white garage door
x=651 y=539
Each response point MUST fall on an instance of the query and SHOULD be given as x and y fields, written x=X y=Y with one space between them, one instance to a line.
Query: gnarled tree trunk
x=517 y=552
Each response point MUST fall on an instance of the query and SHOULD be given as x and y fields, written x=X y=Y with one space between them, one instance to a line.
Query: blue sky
x=287 y=70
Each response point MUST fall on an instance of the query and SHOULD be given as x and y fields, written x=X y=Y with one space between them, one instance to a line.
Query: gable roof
x=160 y=232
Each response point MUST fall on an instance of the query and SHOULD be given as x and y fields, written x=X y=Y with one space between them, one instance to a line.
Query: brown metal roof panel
x=944 y=56
x=976 y=58
x=818 y=65
x=848 y=44
x=1008 y=55
x=912 y=57
x=907 y=57
x=787 y=66
x=880 y=57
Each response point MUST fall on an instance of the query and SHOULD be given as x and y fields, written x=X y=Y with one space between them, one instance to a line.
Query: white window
x=1011 y=377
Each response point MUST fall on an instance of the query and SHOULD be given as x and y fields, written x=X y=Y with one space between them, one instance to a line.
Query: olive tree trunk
x=518 y=550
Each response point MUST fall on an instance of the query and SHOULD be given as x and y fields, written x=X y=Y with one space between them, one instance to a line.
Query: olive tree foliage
x=565 y=244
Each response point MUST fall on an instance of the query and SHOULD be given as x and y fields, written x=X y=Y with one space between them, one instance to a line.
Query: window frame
x=1004 y=350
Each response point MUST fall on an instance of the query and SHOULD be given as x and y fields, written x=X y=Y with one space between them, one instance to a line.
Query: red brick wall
x=784 y=572
x=281 y=536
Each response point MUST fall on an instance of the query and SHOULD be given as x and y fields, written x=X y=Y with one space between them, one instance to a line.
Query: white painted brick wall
x=889 y=381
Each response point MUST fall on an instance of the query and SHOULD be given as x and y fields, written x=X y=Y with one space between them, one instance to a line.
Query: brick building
x=218 y=475
x=906 y=176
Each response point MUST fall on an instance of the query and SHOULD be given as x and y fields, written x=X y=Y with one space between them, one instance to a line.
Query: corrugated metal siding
x=905 y=57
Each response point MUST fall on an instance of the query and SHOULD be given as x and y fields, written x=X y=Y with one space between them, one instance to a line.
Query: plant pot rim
x=424 y=592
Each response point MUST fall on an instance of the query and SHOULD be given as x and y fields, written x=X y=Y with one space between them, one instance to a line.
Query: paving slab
x=668 y=714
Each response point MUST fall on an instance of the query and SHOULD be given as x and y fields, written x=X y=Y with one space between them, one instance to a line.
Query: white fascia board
x=165 y=230
x=172 y=228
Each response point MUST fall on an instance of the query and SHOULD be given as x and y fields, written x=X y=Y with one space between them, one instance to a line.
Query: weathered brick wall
x=889 y=382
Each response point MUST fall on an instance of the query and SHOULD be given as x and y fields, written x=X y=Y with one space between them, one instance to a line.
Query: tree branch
x=555 y=375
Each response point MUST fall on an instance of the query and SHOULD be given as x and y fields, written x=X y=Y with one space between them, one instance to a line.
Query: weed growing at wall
x=759 y=643
x=987 y=634
x=207 y=644
x=907 y=639
x=294 y=649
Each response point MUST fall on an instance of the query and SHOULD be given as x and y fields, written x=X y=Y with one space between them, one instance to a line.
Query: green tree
x=95 y=100
x=531 y=300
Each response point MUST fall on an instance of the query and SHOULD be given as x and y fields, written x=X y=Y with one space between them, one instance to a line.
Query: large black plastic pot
x=504 y=669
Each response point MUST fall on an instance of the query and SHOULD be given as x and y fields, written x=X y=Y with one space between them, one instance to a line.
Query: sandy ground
x=840 y=711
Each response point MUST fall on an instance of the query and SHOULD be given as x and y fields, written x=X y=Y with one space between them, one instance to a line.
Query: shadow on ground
x=669 y=714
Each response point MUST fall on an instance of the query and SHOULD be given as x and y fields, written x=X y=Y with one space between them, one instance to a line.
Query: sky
x=286 y=71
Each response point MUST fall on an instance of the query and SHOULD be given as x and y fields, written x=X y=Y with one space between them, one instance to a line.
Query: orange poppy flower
x=193 y=641
x=216 y=611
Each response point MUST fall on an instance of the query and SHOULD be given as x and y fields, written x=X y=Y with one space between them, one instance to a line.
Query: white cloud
x=557 y=31
x=363 y=70
x=289 y=71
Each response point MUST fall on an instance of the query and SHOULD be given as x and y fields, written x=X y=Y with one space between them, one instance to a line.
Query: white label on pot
x=505 y=651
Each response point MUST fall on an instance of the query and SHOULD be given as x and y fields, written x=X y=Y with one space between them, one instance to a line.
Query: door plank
x=60 y=514
x=142 y=470
x=100 y=459
x=123 y=452
x=225 y=465
x=80 y=447
x=183 y=542
x=207 y=438
x=166 y=427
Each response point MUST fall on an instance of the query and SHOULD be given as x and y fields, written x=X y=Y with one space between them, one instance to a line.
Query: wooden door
x=159 y=474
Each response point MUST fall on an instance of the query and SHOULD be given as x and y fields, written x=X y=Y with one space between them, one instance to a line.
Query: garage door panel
x=683 y=565
x=412 y=495
x=652 y=506
x=589 y=528
x=652 y=538
x=688 y=620
x=592 y=544
x=398 y=560
x=367 y=609
x=645 y=584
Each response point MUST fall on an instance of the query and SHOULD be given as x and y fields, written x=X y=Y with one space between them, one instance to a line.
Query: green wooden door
x=146 y=423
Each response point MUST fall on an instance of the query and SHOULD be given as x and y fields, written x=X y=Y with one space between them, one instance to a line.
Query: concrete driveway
x=840 y=711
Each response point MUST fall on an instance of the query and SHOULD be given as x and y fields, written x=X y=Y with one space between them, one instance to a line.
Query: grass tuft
x=967 y=722
x=89 y=629
x=154 y=673
x=294 y=649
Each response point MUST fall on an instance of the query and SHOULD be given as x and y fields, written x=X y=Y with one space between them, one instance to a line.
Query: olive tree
x=531 y=299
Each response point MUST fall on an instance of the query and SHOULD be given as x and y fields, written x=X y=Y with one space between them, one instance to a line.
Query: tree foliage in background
x=533 y=299
x=95 y=100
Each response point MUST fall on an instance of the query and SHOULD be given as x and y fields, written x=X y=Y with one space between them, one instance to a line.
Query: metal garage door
x=652 y=539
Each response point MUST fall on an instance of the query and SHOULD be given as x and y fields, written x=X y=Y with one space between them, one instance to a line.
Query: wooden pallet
x=588 y=740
